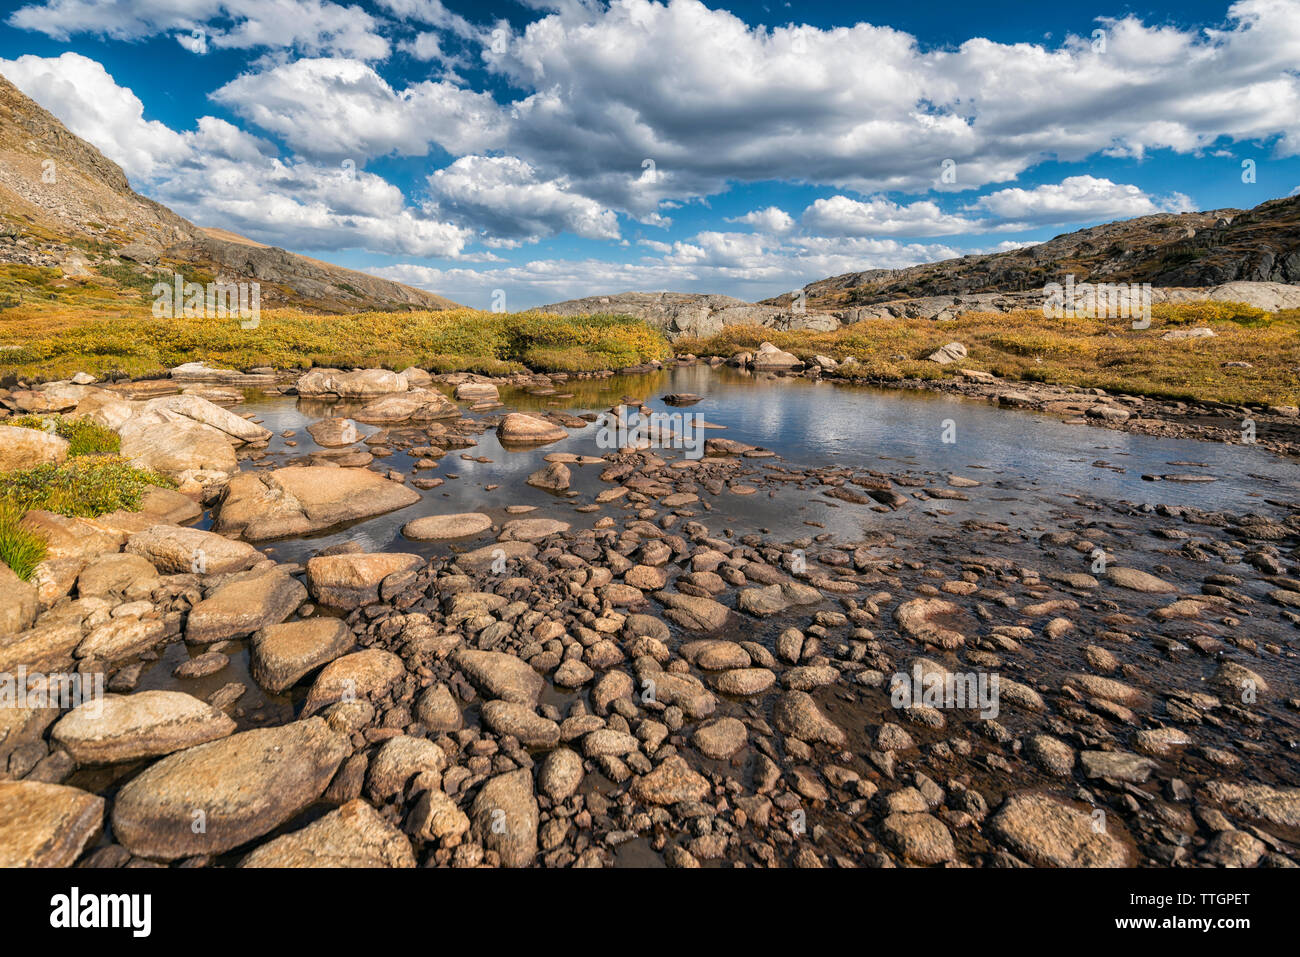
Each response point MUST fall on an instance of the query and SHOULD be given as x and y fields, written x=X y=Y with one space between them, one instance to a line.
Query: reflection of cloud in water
x=809 y=423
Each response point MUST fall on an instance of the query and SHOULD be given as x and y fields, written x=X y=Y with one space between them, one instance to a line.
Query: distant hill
x=90 y=223
x=1169 y=250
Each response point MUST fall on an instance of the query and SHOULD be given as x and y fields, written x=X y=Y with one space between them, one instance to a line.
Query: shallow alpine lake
x=1033 y=464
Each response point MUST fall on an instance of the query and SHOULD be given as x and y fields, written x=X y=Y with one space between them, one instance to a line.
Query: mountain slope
x=1180 y=250
x=64 y=204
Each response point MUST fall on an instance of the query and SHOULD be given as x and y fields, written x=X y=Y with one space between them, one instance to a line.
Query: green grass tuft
x=21 y=549
x=84 y=437
x=85 y=487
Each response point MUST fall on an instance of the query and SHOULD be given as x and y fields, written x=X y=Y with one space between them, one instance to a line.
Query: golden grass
x=54 y=328
x=1085 y=352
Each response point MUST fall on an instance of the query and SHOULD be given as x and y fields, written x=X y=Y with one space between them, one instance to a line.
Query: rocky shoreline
x=639 y=684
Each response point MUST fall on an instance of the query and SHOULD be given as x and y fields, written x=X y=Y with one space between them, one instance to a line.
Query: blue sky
x=561 y=149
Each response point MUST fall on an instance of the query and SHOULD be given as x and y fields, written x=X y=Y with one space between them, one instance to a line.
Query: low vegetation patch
x=1253 y=356
x=21 y=549
x=84 y=487
x=84 y=437
x=54 y=332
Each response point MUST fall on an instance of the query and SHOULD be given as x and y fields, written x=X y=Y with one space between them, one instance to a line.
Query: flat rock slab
x=119 y=728
x=176 y=549
x=1136 y=580
x=350 y=581
x=46 y=825
x=442 y=527
x=354 y=835
x=694 y=612
x=240 y=788
x=282 y=654
x=299 y=500
x=481 y=559
x=243 y=606
x=531 y=529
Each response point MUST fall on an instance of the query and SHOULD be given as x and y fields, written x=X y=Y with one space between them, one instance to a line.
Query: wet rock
x=240 y=788
x=743 y=682
x=1239 y=681
x=46 y=825
x=671 y=782
x=695 y=613
x=119 y=728
x=797 y=714
x=481 y=559
x=1136 y=580
x=1116 y=765
x=774 y=599
x=1280 y=806
x=1051 y=754
x=720 y=739
x=1234 y=849
x=282 y=654
x=924 y=619
x=1046 y=832
x=353 y=835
